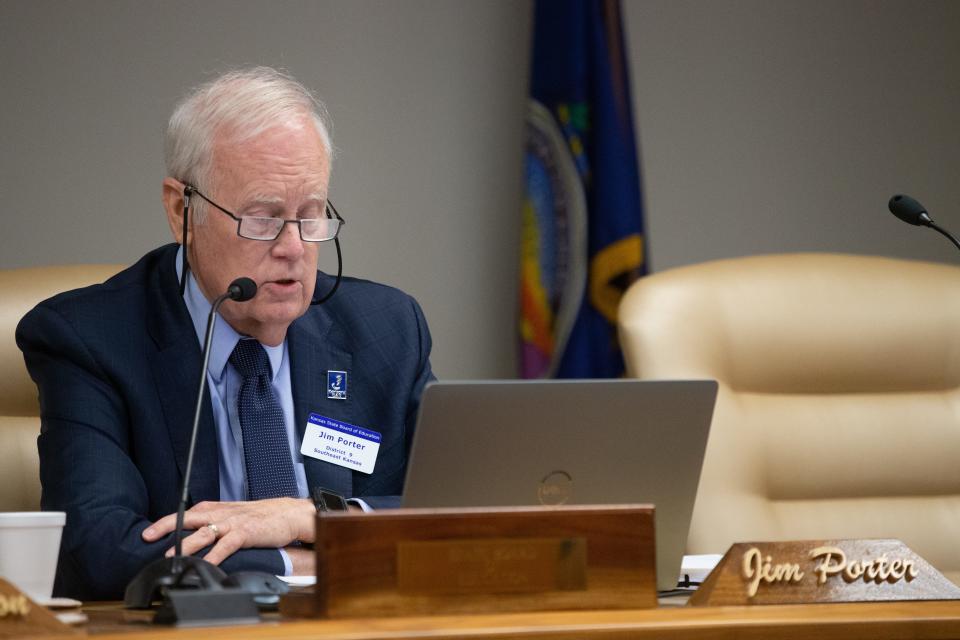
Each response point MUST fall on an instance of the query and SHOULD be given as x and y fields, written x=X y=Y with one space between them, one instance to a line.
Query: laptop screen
x=513 y=442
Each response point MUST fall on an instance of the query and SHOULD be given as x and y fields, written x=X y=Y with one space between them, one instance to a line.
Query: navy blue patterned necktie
x=266 y=450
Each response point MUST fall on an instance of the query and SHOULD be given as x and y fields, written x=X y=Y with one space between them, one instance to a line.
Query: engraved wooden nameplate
x=816 y=571
x=20 y=616
x=477 y=560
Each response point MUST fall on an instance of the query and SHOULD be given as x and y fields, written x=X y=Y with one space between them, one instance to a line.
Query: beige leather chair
x=20 y=291
x=838 y=414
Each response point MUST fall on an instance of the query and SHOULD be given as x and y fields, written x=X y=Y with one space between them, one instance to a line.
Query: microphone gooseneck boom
x=240 y=290
x=192 y=589
x=912 y=212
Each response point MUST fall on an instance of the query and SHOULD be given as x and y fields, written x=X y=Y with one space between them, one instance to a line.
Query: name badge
x=340 y=443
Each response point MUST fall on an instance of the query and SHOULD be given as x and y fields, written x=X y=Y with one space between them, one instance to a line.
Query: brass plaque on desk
x=479 y=560
x=820 y=571
x=482 y=565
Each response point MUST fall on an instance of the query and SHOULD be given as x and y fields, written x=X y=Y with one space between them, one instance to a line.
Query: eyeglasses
x=260 y=228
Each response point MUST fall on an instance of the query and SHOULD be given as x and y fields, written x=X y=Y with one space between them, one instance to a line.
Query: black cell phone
x=326 y=500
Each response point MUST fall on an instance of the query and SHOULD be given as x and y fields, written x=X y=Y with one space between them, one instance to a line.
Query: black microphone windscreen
x=242 y=289
x=908 y=210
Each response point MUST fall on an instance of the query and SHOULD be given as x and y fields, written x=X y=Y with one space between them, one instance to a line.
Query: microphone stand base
x=205 y=608
x=192 y=594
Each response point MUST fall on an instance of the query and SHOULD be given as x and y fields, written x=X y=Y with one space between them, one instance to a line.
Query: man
x=117 y=365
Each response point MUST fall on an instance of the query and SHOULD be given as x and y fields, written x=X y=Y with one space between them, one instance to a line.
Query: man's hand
x=230 y=526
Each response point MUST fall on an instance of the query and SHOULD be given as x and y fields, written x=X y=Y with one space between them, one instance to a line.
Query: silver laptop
x=495 y=443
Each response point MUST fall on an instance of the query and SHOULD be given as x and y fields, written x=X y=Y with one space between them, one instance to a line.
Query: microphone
x=242 y=289
x=909 y=210
x=191 y=587
x=912 y=212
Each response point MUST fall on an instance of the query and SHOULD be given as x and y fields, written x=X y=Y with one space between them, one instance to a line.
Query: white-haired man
x=248 y=160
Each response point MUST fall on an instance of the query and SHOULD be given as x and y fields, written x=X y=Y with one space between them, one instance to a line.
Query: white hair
x=239 y=104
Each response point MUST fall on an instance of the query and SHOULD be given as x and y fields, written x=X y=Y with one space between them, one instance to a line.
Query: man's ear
x=173 y=205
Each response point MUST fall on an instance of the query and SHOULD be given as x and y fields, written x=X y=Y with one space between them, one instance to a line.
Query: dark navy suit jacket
x=118 y=365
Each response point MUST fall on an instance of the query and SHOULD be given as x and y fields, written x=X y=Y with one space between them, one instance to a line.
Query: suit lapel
x=312 y=354
x=176 y=369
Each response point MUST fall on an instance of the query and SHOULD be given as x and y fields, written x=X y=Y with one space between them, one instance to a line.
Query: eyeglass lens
x=311 y=229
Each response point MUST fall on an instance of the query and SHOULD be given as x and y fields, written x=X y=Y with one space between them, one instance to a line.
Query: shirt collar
x=225 y=338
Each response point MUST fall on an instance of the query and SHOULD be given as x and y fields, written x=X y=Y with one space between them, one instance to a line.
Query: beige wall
x=786 y=126
x=765 y=126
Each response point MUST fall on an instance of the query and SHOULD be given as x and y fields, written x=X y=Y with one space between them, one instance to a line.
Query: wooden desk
x=874 y=621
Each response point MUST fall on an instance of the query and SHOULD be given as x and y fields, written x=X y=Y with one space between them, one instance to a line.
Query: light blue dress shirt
x=224 y=383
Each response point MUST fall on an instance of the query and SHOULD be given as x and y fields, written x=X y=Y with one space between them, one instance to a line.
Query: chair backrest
x=20 y=291
x=838 y=414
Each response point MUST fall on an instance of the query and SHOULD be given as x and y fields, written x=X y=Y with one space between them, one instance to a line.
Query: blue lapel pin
x=337 y=385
